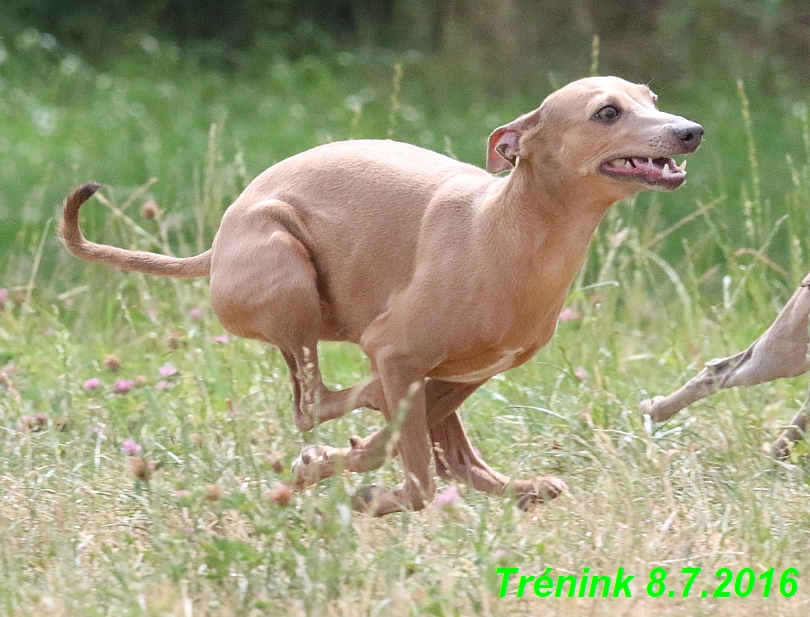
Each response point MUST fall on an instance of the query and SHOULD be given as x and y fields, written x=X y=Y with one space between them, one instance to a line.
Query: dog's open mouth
x=659 y=172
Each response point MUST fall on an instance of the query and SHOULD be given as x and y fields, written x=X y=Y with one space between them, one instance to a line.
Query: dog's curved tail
x=137 y=261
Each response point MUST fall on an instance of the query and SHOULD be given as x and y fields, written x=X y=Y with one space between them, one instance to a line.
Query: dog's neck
x=528 y=204
x=542 y=235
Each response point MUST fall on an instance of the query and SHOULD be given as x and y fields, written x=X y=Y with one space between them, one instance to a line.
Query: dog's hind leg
x=314 y=403
x=781 y=351
x=368 y=453
x=265 y=287
x=454 y=455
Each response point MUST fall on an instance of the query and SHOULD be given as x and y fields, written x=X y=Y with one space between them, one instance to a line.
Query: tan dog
x=443 y=274
x=782 y=351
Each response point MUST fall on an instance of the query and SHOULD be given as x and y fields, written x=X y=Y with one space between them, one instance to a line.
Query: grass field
x=142 y=448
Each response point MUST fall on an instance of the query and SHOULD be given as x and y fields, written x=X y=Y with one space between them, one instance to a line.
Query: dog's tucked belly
x=471 y=371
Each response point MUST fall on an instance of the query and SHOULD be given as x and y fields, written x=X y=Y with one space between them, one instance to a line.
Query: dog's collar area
x=662 y=171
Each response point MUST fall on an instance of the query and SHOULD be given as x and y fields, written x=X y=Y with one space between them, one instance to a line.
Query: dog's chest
x=477 y=370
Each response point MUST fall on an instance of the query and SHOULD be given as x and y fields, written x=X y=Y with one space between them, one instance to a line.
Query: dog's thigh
x=263 y=281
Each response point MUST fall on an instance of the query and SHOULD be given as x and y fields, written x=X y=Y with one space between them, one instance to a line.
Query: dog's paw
x=377 y=501
x=650 y=407
x=314 y=464
x=780 y=449
x=365 y=496
x=543 y=488
x=645 y=407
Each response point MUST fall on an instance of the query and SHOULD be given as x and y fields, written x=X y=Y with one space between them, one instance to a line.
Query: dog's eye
x=608 y=113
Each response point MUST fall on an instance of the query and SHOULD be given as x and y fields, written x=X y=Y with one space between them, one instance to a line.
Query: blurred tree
x=499 y=38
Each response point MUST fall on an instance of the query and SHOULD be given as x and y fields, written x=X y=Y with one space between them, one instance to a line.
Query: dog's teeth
x=682 y=166
x=621 y=164
x=666 y=173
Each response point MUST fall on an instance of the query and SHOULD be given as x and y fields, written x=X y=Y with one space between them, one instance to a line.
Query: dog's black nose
x=689 y=134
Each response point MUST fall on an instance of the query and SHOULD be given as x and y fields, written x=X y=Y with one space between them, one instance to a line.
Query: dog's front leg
x=457 y=460
x=782 y=351
x=716 y=375
x=404 y=389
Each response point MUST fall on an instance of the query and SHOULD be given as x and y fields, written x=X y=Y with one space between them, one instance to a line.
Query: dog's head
x=603 y=130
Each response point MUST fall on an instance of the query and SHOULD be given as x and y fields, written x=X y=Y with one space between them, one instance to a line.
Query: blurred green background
x=203 y=95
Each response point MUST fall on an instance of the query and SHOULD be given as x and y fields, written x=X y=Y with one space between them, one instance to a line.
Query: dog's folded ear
x=504 y=142
x=503 y=150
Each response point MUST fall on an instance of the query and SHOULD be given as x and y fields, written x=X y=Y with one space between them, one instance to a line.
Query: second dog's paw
x=646 y=406
x=651 y=407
